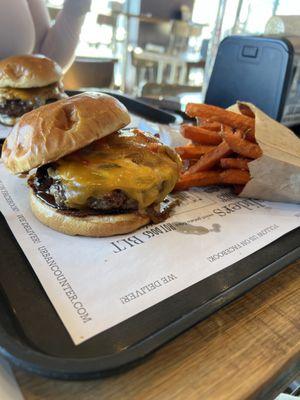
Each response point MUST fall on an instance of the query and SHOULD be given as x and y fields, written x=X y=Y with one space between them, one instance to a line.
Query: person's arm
x=41 y=21
x=59 y=41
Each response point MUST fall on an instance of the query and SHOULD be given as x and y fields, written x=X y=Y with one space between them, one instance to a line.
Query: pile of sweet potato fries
x=222 y=145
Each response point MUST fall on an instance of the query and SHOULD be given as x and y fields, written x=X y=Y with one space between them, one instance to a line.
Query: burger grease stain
x=190 y=229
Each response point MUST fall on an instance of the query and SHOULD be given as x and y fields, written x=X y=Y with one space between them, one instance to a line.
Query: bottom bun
x=92 y=225
x=6 y=120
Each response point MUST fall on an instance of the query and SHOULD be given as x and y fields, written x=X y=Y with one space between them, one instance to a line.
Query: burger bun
x=28 y=71
x=50 y=132
x=92 y=225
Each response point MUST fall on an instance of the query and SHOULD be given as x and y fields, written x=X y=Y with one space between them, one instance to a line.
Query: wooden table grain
x=250 y=349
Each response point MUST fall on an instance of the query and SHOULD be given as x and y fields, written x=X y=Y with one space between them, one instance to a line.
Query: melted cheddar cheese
x=131 y=161
x=53 y=91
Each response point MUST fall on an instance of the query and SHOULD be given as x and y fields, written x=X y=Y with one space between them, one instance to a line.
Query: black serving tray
x=138 y=106
x=33 y=337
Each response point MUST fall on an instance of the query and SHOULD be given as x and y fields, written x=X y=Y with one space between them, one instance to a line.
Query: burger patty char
x=18 y=107
x=53 y=192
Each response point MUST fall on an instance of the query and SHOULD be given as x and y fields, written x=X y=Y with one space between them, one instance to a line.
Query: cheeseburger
x=27 y=82
x=93 y=178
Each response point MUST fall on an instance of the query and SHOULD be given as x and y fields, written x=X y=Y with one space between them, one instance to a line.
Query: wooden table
x=250 y=349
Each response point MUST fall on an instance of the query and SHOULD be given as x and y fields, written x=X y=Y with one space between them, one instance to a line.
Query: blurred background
x=154 y=48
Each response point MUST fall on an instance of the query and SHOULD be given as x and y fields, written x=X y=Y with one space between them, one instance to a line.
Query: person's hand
x=77 y=7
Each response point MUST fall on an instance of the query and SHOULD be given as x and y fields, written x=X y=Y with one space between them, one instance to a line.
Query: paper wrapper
x=276 y=175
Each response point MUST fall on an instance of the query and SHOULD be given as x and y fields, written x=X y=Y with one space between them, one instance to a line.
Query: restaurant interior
x=162 y=50
x=198 y=329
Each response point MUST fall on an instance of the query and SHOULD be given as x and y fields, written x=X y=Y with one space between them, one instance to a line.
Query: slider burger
x=27 y=82
x=92 y=177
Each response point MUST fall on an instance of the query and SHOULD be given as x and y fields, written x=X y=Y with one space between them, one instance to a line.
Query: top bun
x=52 y=131
x=28 y=71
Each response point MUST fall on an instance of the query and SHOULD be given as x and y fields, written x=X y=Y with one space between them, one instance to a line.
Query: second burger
x=27 y=82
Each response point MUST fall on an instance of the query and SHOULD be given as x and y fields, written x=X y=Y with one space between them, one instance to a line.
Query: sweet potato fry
x=240 y=145
x=217 y=114
x=200 y=135
x=193 y=151
x=208 y=160
x=204 y=178
x=212 y=126
x=234 y=163
x=249 y=135
x=189 y=163
x=245 y=110
x=222 y=139
x=235 y=177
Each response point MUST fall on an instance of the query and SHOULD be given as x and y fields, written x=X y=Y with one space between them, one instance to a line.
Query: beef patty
x=16 y=108
x=53 y=192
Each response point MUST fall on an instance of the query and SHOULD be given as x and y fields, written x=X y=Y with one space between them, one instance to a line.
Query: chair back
x=179 y=37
